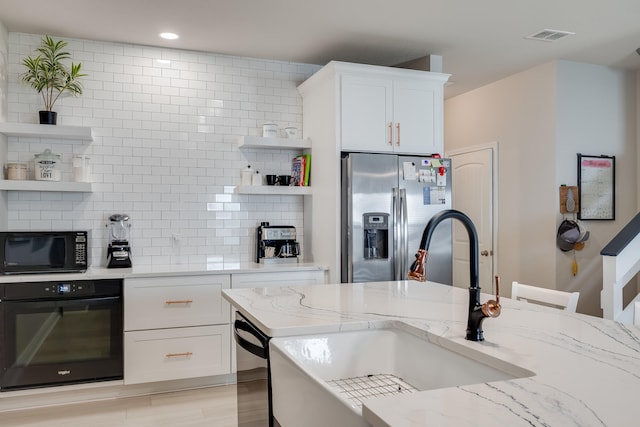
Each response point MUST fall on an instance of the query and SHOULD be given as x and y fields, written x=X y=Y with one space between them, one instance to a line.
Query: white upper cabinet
x=391 y=114
x=367 y=113
x=417 y=116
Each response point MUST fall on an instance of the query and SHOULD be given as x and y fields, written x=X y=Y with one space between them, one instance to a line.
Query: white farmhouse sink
x=320 y=379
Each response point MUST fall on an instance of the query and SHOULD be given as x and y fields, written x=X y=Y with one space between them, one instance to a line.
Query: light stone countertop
x=587 y=369
x=97 y=273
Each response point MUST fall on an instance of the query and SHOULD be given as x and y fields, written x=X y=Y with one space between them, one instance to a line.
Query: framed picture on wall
x=596 y=187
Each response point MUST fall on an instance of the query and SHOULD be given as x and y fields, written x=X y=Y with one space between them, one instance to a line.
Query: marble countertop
x=96 y=273
x=587 y=369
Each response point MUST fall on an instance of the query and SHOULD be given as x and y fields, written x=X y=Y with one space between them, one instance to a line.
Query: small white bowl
x=291 y=132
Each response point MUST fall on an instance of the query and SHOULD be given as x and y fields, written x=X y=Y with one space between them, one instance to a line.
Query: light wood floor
x=214 y=406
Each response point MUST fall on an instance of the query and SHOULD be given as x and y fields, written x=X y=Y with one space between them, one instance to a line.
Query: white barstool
x=565 y=300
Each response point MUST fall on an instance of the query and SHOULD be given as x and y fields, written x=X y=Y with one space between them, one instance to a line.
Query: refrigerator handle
x=395 y=212
x=404 y=252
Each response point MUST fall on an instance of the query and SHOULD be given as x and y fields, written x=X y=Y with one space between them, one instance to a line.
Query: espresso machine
x=118 y=251
x=276 y=244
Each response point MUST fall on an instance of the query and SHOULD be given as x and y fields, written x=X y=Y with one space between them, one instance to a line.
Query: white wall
x=542 y=118
x=519 y=113
x=165 y=148
x=596 y=115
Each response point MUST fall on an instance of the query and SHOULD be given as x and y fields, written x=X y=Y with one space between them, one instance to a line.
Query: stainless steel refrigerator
x=387 y=201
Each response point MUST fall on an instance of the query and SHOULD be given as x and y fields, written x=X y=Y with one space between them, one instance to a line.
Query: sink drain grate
x=358 y=389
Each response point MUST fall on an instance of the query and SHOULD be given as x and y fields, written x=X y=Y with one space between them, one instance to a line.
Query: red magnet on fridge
x=442 y=170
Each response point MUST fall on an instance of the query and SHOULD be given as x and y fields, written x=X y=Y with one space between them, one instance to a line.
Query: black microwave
x=43 y=252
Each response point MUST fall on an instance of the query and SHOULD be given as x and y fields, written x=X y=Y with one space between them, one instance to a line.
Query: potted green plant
x=50 y=77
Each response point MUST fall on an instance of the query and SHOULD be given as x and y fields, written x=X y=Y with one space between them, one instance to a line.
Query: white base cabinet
x=180 y=327
x=173 y=302
x=176 y=353
x=176 y=328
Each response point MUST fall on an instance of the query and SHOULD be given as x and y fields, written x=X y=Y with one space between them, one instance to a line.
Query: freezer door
x=368 y=181
x=427 y=193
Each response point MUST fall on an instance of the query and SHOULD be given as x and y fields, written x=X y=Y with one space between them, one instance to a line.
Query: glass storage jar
x=47 y=166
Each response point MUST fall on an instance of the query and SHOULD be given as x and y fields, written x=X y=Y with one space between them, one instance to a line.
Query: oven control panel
x=60 y=289
x=69 y=288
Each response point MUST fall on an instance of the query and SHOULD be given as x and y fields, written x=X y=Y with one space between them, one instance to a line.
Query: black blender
x=119 y=251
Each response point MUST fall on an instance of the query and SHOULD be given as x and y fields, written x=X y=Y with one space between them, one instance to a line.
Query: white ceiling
x=480 y=40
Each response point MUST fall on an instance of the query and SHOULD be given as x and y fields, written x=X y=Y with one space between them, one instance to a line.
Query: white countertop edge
x=97 y=273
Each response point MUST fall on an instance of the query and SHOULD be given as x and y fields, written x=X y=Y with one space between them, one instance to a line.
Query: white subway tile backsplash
x=164 y=148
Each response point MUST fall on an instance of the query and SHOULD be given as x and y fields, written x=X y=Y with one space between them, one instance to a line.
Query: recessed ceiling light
x=169 y=36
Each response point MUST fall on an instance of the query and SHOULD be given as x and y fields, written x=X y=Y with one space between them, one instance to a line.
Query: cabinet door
x=416 y=116
x=171 y=302
x=366 y=113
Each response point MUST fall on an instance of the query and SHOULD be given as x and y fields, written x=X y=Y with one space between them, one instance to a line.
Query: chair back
x=551 y=297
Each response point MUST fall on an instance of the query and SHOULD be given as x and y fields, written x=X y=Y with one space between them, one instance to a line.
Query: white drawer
x=168 y=302
x=277 y=278
x=170 y=354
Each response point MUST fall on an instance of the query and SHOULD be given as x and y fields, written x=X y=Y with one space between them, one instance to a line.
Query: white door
x=473 y=193
x=366 y=106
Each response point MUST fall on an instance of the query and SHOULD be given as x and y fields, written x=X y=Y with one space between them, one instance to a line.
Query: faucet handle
x=416 y=271
x=492 y=308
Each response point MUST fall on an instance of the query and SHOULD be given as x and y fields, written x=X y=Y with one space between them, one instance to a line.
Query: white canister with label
x=269 y=130
x=47 y=166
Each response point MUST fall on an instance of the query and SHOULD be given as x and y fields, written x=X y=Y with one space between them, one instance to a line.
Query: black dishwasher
x=253 y=375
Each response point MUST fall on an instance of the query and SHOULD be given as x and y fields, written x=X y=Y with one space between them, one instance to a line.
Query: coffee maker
x=118 y=251
x=276 y=244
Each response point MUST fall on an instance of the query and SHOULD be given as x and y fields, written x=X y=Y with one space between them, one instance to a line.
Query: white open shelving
x=273 y=190
x=277 y=144
x=47 y=131
x=27 y=130
x=18 y=185
x=274 y=143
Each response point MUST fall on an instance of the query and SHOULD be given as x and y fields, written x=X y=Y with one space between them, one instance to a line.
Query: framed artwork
x=596 y=187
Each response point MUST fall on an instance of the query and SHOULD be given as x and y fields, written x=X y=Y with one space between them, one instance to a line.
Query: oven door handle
x=260 y=351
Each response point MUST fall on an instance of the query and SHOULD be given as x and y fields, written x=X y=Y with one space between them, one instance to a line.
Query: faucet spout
x=477 y=311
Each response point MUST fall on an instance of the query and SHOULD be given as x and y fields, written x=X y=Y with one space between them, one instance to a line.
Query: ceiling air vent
x=549 y=35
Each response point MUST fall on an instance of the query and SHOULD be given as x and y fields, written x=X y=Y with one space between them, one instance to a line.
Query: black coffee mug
x=272 y=179
x=284 y=180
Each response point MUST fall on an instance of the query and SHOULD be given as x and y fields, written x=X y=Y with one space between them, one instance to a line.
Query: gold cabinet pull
x=398 y=128
x=390 y=133
x=182 y=301
x=185 y=354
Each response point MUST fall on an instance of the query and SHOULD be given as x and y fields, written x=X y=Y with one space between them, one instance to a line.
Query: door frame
x=493 y=146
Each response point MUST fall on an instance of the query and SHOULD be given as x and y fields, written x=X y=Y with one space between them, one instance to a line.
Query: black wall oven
x=62 y=332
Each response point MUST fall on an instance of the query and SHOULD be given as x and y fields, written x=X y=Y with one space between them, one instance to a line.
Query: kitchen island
x=586 y=369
